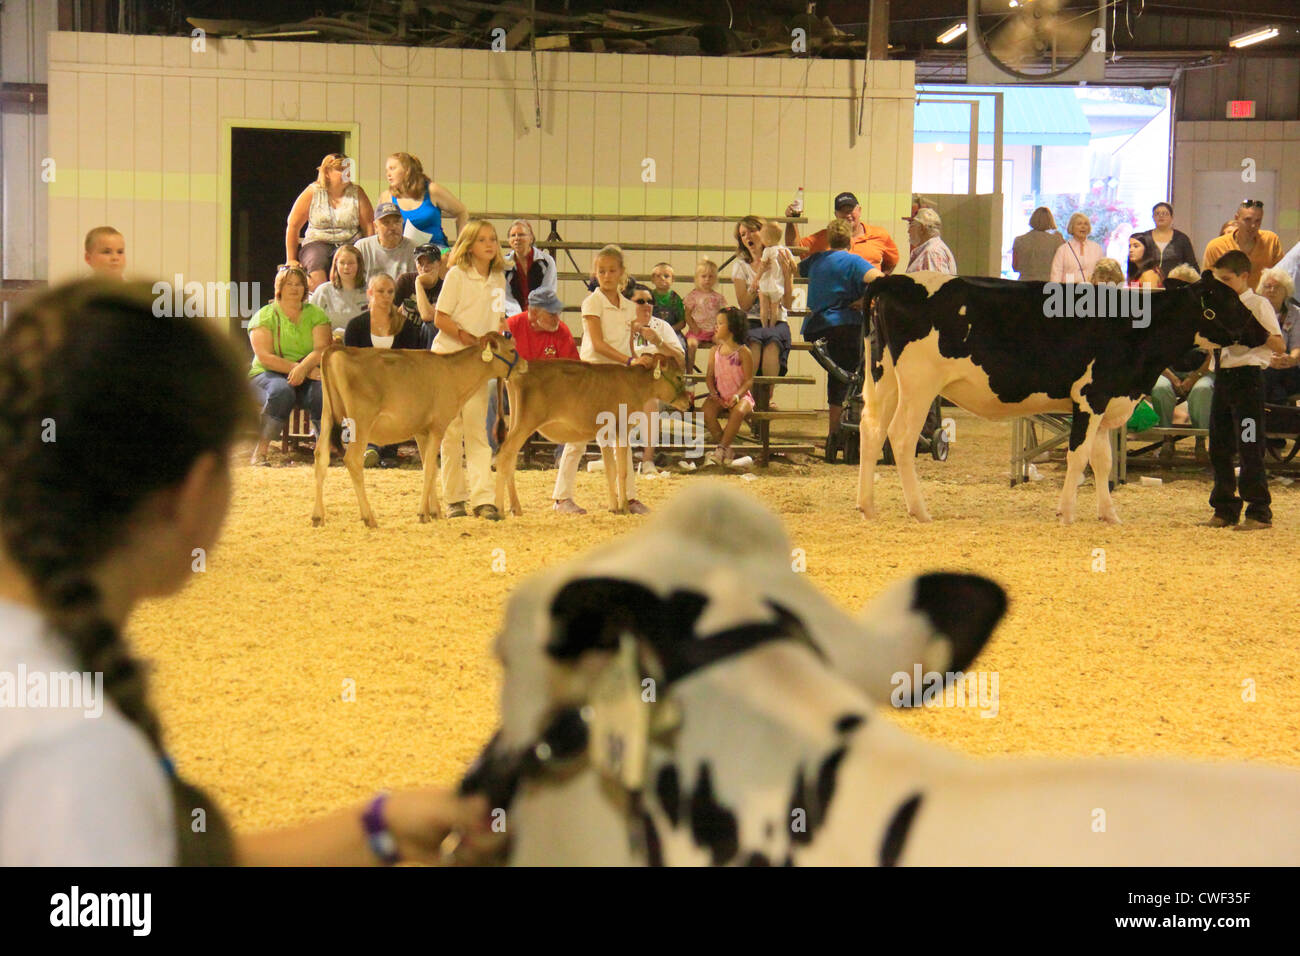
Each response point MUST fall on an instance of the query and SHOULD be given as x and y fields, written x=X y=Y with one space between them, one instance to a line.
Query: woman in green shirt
x=288 y=336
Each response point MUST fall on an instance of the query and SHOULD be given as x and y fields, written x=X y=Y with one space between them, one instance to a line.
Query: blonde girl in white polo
x=607 y=317
x=472 y=303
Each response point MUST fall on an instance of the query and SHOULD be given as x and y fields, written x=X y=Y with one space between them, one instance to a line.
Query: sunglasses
x=1256 y=203
x=644 y=301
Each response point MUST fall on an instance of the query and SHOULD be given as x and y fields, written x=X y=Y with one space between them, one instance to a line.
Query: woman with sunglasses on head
x=288 y=336
x=86 y=534
x=335 y=210
x=1167 y=246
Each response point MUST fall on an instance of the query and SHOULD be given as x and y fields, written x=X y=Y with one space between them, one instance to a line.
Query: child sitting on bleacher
x=729 y=378
x=668 y=304
x=703 y=303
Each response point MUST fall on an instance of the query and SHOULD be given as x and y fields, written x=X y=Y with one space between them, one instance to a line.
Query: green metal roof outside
x=1042 y=116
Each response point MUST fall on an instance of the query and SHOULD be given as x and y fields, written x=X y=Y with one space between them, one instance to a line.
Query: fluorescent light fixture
x=1014 y=3
x=952 y=33
x=1254 y=36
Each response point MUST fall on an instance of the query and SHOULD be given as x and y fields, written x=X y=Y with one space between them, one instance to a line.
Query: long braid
x=66 y=364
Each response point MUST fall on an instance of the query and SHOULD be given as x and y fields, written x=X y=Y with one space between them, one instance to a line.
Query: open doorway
x=261 y=194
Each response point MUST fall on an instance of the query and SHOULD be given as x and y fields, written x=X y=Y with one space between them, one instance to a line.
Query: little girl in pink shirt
x=703 y=303
x=729 y=378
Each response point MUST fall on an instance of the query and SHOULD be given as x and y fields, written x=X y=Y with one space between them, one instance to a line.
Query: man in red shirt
x=870 y=243
x=538 y=333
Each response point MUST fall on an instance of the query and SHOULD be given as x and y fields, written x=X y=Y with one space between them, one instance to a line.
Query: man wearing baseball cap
x=870 y=243
x=387 y=251
x=539 y=333
x=428 y=261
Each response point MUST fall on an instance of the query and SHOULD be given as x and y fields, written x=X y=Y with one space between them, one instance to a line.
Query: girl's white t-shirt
x=474 y=301
x=76 y=788
x=615 y=326
x=382 y=341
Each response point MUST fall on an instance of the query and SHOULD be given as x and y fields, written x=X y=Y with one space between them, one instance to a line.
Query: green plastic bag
x=1143 y=417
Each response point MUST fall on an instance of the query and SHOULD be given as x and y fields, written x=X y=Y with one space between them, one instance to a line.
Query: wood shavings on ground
x=1153 y=655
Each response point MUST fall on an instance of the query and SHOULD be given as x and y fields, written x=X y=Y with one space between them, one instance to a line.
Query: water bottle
x=798 y=202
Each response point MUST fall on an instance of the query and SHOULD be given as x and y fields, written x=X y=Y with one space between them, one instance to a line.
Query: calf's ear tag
x=658 y=372
x=487 y=353
x=620 y=719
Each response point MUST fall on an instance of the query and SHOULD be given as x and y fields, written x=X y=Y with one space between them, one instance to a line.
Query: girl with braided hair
x=90 y=381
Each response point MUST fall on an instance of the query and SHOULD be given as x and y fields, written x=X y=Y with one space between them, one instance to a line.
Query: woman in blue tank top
x=421 y=201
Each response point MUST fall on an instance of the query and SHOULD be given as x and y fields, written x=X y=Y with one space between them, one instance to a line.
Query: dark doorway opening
x=269 y=168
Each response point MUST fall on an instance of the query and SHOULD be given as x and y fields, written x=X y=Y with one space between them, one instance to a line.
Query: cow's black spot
x=713 y=825
x=849 y=722
x=592 y=614
x=826 y=776
x=799 y=801
x=668 y=789
x=654 y=851
x=756 y=859
x=964 y=608
x=891 y=847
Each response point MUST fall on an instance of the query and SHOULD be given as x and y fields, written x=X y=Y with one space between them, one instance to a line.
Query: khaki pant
x=570 y=461
x=468 y=431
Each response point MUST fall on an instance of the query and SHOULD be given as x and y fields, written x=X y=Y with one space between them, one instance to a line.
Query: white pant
x=477 y=452
x=569 y=462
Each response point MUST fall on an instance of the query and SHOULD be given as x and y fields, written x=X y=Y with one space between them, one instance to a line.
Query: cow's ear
x=964 y=609
x=590 y=614
x=1208 y=275
x=939 y=621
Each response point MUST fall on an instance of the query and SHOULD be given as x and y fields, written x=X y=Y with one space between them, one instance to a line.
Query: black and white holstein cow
x=1002 y=349
x=718 y=709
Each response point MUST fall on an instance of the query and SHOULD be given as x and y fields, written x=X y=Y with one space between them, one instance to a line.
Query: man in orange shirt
x=1262 y=247
x=870 y=243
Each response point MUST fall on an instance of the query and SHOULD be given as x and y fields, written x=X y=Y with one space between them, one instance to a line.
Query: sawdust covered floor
x=1153 y=655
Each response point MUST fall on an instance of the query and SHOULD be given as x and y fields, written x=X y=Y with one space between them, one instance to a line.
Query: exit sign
x=1241 y=109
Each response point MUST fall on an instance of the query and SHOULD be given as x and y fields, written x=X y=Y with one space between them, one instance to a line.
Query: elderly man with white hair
x=1282 y=377
x=929 y=252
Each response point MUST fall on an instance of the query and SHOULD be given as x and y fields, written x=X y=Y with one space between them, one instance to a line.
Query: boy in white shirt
x=1237 y=410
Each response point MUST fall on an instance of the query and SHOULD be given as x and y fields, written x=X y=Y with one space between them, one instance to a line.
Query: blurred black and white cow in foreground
x=718 y=709
x=1002 y=349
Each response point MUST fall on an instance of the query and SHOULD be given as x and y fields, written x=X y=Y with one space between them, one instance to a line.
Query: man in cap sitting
x=428 y=261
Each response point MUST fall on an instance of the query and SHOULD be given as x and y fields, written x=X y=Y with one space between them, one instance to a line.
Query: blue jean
x=279 y=399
